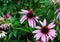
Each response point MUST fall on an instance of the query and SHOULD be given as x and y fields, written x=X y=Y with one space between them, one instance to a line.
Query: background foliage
x=22 y=32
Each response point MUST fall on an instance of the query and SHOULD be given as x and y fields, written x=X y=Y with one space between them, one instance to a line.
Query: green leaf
x=10 y=35
x=15 y=33
x=57 y=27
x=35 y=1
x=23 y=29
x=45 y=1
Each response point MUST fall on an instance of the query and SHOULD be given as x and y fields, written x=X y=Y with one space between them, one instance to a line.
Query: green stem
x=18 y=38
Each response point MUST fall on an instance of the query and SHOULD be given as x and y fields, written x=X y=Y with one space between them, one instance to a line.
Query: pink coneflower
x=1 y=26
x=7 y=15
x=5 y=26
x=58 y=13
x=28 y=14
x=45 y=33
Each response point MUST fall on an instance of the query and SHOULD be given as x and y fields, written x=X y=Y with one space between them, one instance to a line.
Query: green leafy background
x=22 y=32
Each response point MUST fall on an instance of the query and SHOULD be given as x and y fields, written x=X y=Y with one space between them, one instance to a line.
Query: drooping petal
x=36 y=20
x=23 y=19
x=50 y=37
x=37 y=36
x=52 y=33
x=37 y=17
x=34 y=23
x=36 y=31
x=51 y=25
x=58 y=15
x=43 y=38
x=57 y=10
x=47 y=38
x=31 y=22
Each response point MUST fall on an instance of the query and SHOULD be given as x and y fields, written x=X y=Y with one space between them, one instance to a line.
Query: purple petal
x=36 y=18
x=37 y=36
x=23 y=19
x=57 y=10
x=43 y=23
x=52 y=34
x=1 y=26
x=52 y=30
x=24 y=12
x=58 y=15
x=43 y=38
x=51 y=25
x=31 y=22
x=47 y=38
x=51 y=37
x=36 y=31
x=38 y=27
x=34 y=23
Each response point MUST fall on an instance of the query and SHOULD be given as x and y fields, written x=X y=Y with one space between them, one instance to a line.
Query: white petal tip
x=20 y=12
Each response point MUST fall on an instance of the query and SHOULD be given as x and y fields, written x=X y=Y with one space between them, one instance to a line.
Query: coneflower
x=28 y=14
x=45 y=32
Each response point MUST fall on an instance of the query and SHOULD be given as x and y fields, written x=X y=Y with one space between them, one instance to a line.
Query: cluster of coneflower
x=4 y=26
x=43 y=32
